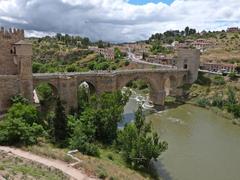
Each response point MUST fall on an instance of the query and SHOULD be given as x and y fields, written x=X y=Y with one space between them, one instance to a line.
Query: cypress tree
x=60 y=123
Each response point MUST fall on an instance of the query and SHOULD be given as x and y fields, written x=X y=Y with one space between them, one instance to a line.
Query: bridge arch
x=170 y=85
x=125 y=80
x=42 y=91
x=88 y=85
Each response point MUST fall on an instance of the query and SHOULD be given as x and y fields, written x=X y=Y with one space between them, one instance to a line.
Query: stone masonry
x=16 y=75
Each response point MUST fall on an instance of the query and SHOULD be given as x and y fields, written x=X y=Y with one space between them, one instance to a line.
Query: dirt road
x=64 y=167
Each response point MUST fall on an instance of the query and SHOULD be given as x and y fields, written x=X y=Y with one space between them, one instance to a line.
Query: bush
x=19 y=99
x=218 y=80
x=126 y=63
x=138 y=143
x=232 y=76
x=218 y=101
x=16 y=131
x=202 y=102
x=83 y=138
x=23 y=111
x=21 y=125
x=202 y=80
x=235 y=109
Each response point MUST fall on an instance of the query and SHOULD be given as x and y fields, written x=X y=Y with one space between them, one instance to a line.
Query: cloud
x=116 y=20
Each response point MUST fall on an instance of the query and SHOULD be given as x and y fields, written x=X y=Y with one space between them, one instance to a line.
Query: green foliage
x=27 y=112
x=17 y=131
x=218 y=101
x=126 y=63
x=138 y=84
x=158 y=48
x=60 y=123
x=235 y=109
x=107 y=112
x=218 y=80
x=83 y=99
x=232 y=100
x=99 y=64
x=202 y=102
x=138 y=143
x=83 y=136
x=98 y=122
x=232 y=76
x=117 y=53
x=21 y=125
x=203 y=80
x=19 y=99
x=45 y=92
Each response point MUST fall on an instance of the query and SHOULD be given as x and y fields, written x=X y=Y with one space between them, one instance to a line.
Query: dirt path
x=64 y=167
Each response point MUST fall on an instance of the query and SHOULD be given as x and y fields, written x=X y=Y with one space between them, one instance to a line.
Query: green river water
x=202 y=145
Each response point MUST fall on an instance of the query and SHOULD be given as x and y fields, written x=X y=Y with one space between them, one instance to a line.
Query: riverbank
x=217 y=93
x=199 y=141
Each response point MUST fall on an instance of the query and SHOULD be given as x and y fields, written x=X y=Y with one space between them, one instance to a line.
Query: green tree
x=231 y=100
x=60 y=123
x=20 y=126
x=138 y=143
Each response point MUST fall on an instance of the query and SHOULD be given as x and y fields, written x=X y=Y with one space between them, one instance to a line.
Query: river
x=202 y=145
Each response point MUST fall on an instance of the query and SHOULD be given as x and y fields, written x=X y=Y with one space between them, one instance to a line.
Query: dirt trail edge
x=64 y=167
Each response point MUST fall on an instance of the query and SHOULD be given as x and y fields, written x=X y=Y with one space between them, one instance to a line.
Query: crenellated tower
x=15 y=67
x=7 y=38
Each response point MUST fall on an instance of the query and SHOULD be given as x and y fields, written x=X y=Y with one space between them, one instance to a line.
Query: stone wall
x=9 y=86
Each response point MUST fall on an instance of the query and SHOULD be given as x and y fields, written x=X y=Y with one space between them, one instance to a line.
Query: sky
x=117 y=20
x=142 y=2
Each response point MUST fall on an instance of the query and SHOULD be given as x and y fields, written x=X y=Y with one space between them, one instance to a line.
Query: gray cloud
x=116 y=20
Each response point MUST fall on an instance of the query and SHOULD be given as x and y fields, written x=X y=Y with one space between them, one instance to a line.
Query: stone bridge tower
x=189 y=59
x=15 y=67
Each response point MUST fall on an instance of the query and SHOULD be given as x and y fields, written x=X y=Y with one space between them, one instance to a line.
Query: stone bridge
x=16 y=75
x=161 y=83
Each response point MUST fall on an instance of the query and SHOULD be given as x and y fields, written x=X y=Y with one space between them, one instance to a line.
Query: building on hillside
x=215 y=67
x=202 y=44
x=107 y=53
x=233 y=29
x=161 y=59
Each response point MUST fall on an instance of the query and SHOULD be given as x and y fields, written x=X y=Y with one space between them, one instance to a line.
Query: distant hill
x=225 y=49
x=64 y=53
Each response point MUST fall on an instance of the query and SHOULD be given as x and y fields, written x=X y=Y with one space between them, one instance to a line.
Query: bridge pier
x=68 y=92
x=158 y=97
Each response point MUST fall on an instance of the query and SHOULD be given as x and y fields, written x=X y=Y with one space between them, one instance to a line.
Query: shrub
x=17 y=131
x=218 y=80
x=138 y=143
x=83 y=138
x=218 y=101
x=232 y=76
x=202 y=102
x=126 y=63
x=19 y=99
x=23 y=111
x=21 y=125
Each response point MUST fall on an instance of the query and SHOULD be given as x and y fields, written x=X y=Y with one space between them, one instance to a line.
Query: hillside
x=224 y=48
x=64 y=53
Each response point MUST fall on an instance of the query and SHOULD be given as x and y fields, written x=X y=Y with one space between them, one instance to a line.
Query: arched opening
x=44 y=92
x=84 y=91
x=170 y=88
x=167 y=86
x=45 y=96
x=141 y=89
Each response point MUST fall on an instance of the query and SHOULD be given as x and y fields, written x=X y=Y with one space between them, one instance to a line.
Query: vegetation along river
x=202 y=145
